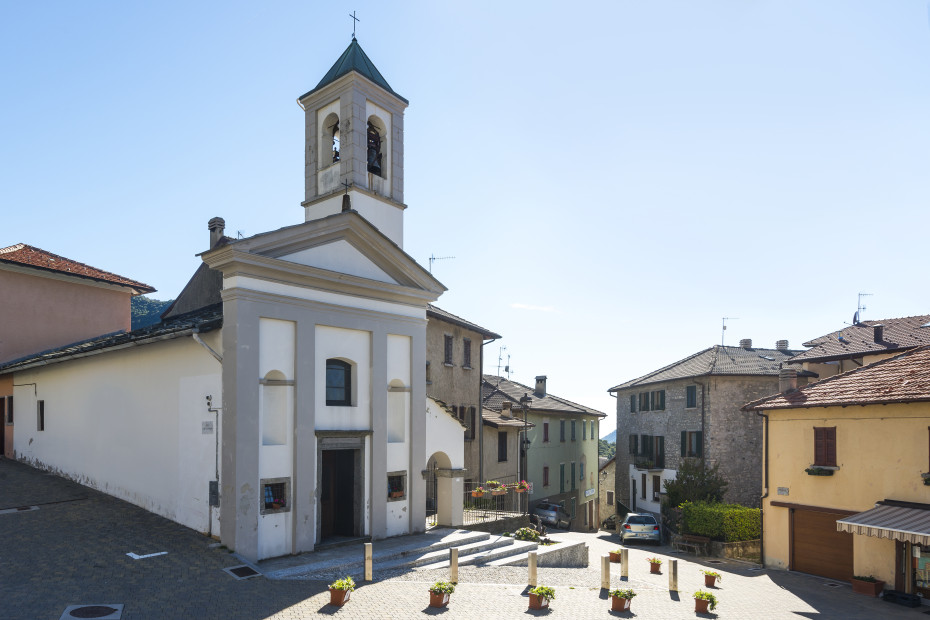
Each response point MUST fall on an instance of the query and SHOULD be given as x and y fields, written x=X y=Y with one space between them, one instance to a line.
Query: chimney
x=216 y=225
x=745 y=343
x=879 y=332
x=787 y=380
x=781 y=345
x=505 y=409
x=541 y=386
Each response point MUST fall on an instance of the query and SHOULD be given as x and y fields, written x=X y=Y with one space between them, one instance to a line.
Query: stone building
x=561 y=457
x=607 y=488
x=691 y=409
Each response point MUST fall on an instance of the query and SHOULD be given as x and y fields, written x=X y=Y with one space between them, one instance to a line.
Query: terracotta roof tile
x=30 y=256
x=859 y=339
x=443 y=315
x=901 y=379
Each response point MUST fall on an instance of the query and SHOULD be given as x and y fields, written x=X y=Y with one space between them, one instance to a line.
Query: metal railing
x=491 y=505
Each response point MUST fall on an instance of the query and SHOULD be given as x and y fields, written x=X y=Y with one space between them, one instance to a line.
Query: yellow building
x=844 y=473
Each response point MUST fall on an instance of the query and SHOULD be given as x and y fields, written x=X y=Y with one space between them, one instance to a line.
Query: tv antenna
x=432 y=259
x=723 y=332
x=500 y=360
x=859 y=308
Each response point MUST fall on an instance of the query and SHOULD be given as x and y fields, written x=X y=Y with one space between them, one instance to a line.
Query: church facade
x=289 y=405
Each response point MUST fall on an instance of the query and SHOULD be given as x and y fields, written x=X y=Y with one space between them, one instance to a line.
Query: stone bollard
x=454 y=564
x=673 y=575
x=605 y=572
x=624 y=564
x=531 y=568
x=368 y=562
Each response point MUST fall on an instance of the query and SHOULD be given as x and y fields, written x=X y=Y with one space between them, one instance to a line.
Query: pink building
x=48 y=301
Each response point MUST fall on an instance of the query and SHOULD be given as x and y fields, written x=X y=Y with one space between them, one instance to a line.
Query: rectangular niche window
x=397 y=486
x=276 y=495
x=40 y=415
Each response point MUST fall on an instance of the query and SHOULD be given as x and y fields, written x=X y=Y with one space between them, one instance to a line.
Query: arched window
x=329 y=141
x=338 y=383
x=375 y=136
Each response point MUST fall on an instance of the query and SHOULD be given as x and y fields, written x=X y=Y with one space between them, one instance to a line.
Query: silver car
x=552 y=514
x=640 y=527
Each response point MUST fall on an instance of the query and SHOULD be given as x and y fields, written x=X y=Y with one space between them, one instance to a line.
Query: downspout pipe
x=479 y=419
x=765 y=485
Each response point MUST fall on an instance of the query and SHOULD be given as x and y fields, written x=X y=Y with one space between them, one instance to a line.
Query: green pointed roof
x=354 y=59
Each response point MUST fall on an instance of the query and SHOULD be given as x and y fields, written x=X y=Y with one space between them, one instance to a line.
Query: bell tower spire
x=355 y=144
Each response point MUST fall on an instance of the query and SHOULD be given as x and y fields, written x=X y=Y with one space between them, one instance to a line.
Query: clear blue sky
x=612 y=179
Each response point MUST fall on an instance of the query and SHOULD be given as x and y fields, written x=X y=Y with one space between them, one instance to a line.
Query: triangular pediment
x=343 y=247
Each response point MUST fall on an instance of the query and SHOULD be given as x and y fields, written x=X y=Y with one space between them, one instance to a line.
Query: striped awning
x=893 y=522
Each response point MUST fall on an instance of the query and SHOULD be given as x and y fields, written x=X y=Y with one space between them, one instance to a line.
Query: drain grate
x=715 y=561
x=101 y=612
x=242 y=571
x=832 y=585
x=18 y=509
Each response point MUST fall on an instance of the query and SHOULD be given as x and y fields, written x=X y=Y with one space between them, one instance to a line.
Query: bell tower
x=355 y=145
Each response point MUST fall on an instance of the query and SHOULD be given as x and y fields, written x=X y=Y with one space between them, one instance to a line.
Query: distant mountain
x=610 y=437
x=146 y=311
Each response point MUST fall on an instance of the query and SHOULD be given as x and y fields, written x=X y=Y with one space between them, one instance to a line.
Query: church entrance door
x=337 y=495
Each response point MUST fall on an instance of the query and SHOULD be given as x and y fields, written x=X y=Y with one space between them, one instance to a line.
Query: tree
x=604 y=448
x=147 y=311
x=695 y=483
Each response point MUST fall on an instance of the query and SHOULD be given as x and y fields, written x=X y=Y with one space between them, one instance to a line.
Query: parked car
x=552 y=514
x=610 y=523
x=640 y=527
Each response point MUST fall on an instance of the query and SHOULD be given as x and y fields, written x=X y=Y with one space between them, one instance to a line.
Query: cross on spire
x=354 y=21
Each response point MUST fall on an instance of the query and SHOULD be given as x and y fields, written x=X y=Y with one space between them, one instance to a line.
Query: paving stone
x=73 y=551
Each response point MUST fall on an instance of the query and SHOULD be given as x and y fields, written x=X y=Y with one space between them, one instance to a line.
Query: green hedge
x=726 y=522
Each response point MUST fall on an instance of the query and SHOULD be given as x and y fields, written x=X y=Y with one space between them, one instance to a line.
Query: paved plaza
x=73 y=550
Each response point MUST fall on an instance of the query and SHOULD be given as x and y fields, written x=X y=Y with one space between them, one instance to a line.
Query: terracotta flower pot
x=701 y=605
x=500 y=492
x=519 y=490
x=338 y=597
x=438 y=599
x=615 y=557
x=477 y=493
x=619 y=604
x=872 y=588
x=538 y=602
x=709 y=581
x=655 y=568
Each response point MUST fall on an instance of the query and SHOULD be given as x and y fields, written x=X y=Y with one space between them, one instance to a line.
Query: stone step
x=565 y=554
x=350 y=560
x=440 y=558
x=513 y=551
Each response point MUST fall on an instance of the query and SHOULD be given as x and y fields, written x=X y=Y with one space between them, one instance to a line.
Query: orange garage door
x=817 y=548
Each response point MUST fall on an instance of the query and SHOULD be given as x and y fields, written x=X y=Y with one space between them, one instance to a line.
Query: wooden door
x=817 y=548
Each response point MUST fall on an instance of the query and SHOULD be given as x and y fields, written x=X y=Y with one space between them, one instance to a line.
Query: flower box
x=869 y=585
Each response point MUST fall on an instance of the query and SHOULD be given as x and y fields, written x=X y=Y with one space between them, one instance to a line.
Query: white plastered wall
x=445 y=435
x=398 y=425
x=132 y=423
x=340 y=256
x=277 y=354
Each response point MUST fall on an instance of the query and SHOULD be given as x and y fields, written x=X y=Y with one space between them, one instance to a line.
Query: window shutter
x=684 y=443
x=820 y=454
x=660 y=450
x=662 y=400
x=652 y=401
x=830 y=446
x=632 y=403
x=699 y=450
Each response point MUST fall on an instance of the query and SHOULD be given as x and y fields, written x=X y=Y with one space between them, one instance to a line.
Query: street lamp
x=525 y=404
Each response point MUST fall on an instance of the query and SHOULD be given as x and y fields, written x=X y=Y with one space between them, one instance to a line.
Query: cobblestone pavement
x=72 y=550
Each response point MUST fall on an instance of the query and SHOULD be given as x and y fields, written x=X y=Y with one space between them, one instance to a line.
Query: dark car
x=640 y=527
x=552 y=514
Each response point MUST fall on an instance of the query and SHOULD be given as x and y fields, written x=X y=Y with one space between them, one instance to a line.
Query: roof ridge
x=636 y=381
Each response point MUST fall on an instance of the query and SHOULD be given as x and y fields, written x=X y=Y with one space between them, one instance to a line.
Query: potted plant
x=818 y=471
x=477 y=492
x=496 y=487
x=439 y=593
x=867 y=585
x=540 y=597
x=704 y=599
x=340 y=590
x=522 y=487
x=615 y=555
x=655 y=565
x=620 y=599
x=710 y=577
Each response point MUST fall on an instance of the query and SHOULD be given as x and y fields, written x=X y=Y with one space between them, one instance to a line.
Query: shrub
x=704 y=595
x=544 y=592
x=346 y=583
x=526 y=533
x=727 y=522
